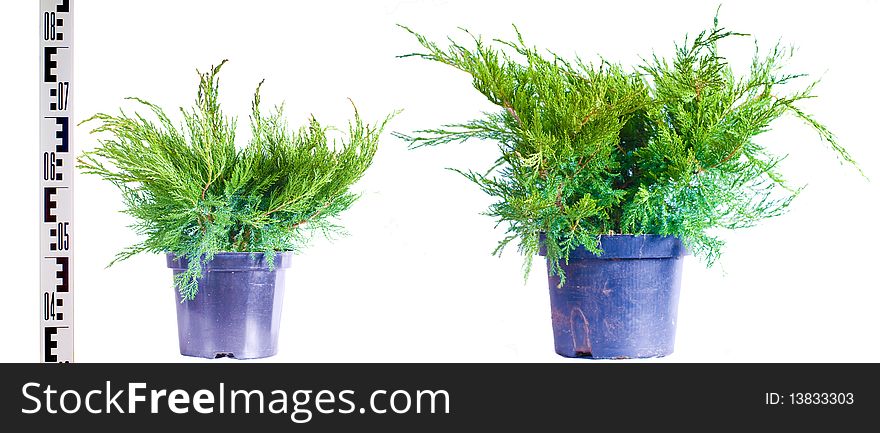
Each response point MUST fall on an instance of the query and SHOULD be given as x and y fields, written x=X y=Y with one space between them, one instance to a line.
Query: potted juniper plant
x=615 y=175
x=228 y=217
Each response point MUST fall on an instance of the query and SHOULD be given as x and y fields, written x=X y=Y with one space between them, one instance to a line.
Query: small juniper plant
x=593 y=149
x=194 y=193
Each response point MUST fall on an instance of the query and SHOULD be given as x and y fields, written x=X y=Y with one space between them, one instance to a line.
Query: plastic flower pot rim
x=234 y=261
x=623 y=246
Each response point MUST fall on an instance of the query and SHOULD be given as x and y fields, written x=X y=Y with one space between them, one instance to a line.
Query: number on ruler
x=49 y=26
x=62 y=238
x=49 y=164
x=60 y=94
x=48 y=306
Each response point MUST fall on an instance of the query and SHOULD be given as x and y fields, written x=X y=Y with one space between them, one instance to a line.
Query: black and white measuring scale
x=56 y=180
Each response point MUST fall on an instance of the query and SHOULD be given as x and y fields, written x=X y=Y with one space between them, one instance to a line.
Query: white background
x=415 y=280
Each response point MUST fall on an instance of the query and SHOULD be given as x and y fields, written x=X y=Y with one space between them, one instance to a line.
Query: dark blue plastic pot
x=237 y=310
x=622 y=304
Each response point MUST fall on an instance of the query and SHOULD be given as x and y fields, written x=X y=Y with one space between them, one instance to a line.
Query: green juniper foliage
x=593 y=149
x=194 y=193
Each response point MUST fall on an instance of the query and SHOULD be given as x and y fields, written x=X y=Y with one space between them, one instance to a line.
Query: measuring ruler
x=56 y=181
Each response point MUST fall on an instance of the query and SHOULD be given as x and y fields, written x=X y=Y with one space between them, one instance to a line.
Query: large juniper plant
x=594 y=149
x=194 y=193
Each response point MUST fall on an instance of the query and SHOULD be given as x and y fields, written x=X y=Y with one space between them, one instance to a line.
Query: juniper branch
x=194 y=193
x=591 y=149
